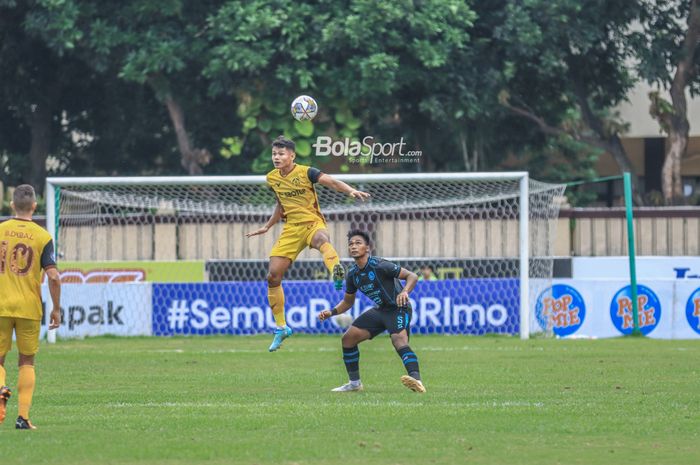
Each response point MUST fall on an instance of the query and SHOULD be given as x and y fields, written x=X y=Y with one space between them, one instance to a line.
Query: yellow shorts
x=295 y=237
x=27 y=332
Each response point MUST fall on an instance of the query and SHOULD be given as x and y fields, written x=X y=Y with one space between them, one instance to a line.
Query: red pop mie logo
x=560 y=308
x=560 y=311
x=646 y=314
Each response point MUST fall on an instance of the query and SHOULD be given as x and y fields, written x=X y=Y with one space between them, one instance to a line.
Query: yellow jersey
x=296 y=194
x=25 y=250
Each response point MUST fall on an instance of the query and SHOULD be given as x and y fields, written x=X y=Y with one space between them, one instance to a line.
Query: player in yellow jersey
x=305 y=226
x=25 y=250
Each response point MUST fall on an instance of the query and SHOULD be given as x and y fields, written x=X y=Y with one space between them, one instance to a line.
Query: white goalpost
x=179 y=243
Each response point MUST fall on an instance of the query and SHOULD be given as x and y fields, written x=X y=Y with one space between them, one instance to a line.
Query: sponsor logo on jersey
x=294 y=193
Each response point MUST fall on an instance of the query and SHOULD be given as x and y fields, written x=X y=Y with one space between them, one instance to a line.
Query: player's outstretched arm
x=411 y=280
x=274 y=219
x=342 y=307
x=339 y=186
x=55 y=290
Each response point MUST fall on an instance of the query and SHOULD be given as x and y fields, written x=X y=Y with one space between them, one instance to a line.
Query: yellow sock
x=3 y=375
x=330 y=256
x=275 y=296
x=25 y=388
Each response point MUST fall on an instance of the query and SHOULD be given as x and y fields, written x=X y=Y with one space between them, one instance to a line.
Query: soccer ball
x=304 y=108
x=343 y=320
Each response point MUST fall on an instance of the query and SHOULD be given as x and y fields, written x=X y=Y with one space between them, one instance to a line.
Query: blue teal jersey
x=378 y=280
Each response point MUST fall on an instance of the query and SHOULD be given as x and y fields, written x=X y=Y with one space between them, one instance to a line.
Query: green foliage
x=430 y=72
x=658 y=42
x=263 y=120
x=360 y=61
x=6 y=209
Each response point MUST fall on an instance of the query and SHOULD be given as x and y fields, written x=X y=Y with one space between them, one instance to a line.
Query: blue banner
x=465 y=306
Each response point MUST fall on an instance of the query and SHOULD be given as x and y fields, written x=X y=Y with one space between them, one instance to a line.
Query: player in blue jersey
x=378 y=279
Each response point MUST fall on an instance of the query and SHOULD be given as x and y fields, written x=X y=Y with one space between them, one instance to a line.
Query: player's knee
x=25 y=360
x=274 y=279
x=319 y=239
x=399 y=340
x=348 y=340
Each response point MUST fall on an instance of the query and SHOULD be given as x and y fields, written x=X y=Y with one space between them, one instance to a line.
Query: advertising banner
x=473 y=306
x=132 y=271
x=101 y=309
x=647 y=268
x=576 y=308
x=667 y=309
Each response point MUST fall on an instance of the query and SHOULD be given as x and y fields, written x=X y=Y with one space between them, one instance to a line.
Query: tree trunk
x=608 y=140
x=190 y=159
x=465 y=150
x=671 y=174
x=39 y=121
x=677 y=121
x=610 y=143
x=615 y=148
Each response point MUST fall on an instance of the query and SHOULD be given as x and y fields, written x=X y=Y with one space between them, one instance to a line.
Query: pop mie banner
x=667 y=309
x=470 y=306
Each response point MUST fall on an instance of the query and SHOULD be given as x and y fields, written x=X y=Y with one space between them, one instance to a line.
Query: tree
x=670 y=40
x=35 y=89
x=565 y=66
x=154 y=43
x=382 y=68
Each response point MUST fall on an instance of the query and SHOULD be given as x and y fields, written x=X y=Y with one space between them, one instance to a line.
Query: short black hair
x=283 y=142
x=23 y=198
x=427 y=267
x=359 y=232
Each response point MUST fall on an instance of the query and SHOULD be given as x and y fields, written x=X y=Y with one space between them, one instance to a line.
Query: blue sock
x=410 y=361
x=351 y=357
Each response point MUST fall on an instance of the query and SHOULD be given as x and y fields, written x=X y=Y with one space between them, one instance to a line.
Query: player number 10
x=21 y=254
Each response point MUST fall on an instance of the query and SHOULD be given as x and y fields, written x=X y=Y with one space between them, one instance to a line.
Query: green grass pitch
x=490 y=400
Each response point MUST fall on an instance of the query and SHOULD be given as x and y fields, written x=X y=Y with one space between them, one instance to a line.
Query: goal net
x=169 y=256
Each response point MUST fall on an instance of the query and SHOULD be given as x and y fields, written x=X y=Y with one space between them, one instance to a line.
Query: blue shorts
x=379 y=319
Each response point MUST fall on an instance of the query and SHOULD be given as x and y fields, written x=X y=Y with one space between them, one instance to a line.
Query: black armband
x=334 y=311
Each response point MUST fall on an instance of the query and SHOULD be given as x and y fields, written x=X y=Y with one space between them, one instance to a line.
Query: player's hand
x=402 y=299
x=324 y=315
x=355 y=194
x=55 y=320
x=262 y=230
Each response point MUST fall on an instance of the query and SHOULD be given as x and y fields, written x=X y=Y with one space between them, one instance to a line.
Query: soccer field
x=490 y=400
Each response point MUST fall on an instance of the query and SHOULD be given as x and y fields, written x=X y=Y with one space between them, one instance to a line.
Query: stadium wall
x=579 y=232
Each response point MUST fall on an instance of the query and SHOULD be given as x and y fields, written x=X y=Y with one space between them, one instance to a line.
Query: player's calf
x=410 y=362
x=351 y=359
